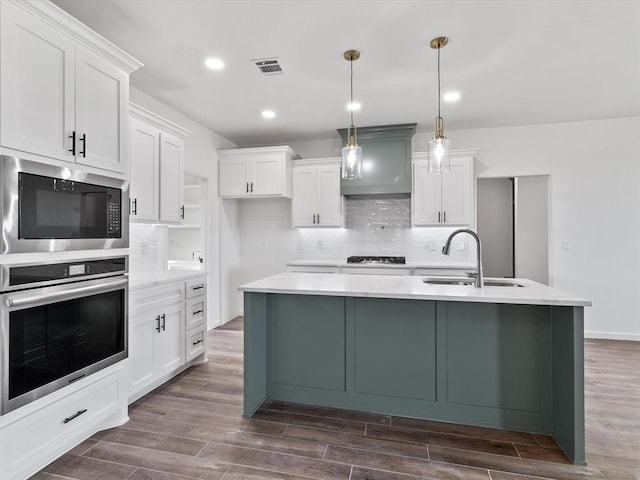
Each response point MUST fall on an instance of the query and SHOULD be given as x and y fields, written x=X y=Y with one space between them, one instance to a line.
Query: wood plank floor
x=192 y=428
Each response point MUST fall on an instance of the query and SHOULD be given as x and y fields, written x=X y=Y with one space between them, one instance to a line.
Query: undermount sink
x=488 y=282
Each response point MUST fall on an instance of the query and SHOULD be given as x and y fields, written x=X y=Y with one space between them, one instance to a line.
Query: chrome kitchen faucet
x=479 y=280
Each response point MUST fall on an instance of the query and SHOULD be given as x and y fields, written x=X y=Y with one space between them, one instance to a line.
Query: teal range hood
x=386 y=160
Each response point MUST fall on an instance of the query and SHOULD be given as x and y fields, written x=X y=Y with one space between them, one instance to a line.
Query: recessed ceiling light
x=353 y=106
x=268 y=113
x=451 y=97
x=214 y=63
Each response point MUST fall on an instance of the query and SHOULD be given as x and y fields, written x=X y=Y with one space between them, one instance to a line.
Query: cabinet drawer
x=196 y=287
x=50 y=431
x=196 y=342
x=142 y=300
x=196 y=313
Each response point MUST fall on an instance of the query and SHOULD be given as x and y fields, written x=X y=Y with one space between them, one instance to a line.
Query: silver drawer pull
x=74 y=416
x=198 y=311
x=199 y=341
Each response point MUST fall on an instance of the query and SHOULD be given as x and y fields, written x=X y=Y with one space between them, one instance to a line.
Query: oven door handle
x=66 y=294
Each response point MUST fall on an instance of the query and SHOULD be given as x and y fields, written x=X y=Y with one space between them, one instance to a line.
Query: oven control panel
x=27 y=276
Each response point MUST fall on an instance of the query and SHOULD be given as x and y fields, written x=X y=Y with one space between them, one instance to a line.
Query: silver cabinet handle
x=444 y=217
x=318 y=217
x=439 y=217
x=251 y=187
x=314 y=218
x=247 y=187
x=164 y=322
x=158 y=323
x=66 y=294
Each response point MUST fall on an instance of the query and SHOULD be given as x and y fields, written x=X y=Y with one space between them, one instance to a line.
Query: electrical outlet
x=320 y=245
x=565 y=246
x=432 y=246
x=144 y=248
x=459 y=246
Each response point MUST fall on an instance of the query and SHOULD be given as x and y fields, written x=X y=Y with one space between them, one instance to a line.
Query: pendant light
x=352 y=153
x=439 y=159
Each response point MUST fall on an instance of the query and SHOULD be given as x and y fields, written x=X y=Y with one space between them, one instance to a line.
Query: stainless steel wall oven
x=59 y=322
x=47 y=208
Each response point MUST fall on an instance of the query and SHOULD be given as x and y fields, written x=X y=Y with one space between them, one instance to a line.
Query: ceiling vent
x=269 y=66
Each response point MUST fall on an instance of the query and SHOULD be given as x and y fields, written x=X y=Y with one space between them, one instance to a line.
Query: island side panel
x=568 y=381
x=395 y=348
x=498 y=365
x=306 y=342
x=255 y=351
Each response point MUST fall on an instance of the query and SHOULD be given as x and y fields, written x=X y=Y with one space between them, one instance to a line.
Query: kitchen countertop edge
x=151 y=279
x=410 y=288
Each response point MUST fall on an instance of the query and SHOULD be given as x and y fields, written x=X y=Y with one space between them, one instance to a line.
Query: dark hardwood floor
x=192 y=427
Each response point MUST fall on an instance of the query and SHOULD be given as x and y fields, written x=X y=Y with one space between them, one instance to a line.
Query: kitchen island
x=501 y=356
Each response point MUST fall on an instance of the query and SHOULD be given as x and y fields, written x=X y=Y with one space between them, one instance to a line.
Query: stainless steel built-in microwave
x=48 y=209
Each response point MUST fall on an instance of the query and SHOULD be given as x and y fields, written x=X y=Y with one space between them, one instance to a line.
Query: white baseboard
x=634 y=337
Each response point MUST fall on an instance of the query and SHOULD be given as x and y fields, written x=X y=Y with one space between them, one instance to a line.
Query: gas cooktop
x=393 y=260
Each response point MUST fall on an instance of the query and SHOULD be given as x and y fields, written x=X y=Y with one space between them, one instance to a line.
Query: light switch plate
x=459 y=246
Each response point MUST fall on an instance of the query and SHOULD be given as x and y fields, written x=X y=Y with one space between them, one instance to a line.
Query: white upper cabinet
x=157 y=168
x=102 y=97
x=255 y=172
x=444 y=199
x=145 y=170
x=316 y=200
x=171 y=178
x=64 y=95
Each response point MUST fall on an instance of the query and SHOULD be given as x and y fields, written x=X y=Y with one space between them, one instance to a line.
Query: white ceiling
x=515 y=62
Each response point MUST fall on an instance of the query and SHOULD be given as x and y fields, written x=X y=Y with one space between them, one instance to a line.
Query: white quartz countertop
x=149 y=279
x=410 y=264
x=410 y=287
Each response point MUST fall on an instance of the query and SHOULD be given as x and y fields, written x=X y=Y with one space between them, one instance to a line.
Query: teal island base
x=510 y=366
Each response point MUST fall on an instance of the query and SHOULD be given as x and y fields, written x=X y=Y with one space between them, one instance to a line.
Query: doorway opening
x=513 y=225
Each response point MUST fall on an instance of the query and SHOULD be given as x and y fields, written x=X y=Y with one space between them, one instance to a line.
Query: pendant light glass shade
x=352 y=152
x=439 y=153
x=352 y=161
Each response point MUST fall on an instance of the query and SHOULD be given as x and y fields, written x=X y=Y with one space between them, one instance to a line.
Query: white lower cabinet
x=156 y=336
x=167 y=330
x=31 y=441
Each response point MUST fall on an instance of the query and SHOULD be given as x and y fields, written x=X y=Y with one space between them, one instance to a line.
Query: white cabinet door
x=36 y=85
x=102 y=92
x=303 y=202
x=328 y=198
x=267 y=176
x=427 y=189
x=145 y=158
x=234 y=177
x=142 y=350
x=171 y=178
x=456 y=195
x=171 y=339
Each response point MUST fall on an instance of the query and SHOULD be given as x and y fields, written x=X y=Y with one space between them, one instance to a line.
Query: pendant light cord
x=439 y=81
x=351 y=106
